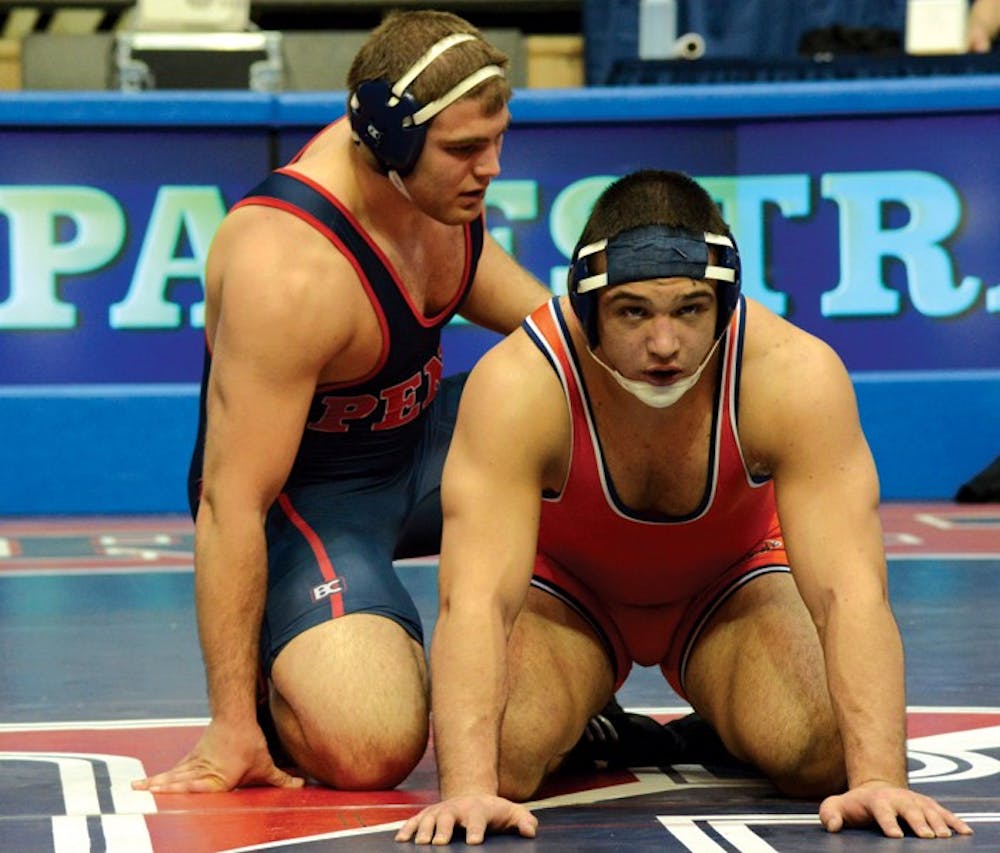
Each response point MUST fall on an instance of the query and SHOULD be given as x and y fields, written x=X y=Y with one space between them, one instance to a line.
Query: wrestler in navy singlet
x=368 y=468
x=370 y=425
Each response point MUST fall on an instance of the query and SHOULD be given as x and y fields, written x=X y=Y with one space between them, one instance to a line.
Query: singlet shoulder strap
x=286 y=191
x=546 y=327
x=298 y=196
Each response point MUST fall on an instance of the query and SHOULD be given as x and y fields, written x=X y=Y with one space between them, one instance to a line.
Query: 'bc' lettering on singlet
x=642 y=558
x=370 y=425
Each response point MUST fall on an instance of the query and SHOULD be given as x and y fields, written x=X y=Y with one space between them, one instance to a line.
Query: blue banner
x=866 y=213
x=876 y=233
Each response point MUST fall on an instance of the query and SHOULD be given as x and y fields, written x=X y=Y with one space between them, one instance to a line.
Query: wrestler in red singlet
x=649 y=582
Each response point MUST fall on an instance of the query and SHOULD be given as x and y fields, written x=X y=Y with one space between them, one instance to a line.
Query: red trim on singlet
x=544 y=320
x=319 y=551
x=277 y=204
x=426 y=322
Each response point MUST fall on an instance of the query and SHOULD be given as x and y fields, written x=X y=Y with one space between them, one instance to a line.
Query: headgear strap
x=389 y=120
x=651 y=252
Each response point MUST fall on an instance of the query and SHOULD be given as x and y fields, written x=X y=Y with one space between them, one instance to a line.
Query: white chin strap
x=397 y=182
x=658 y=396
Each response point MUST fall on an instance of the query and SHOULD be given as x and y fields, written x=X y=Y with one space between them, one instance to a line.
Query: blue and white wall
x=867 y=213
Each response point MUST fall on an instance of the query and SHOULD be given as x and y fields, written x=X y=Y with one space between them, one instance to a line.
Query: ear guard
x=384 y=122
x=649 y=252
x=392 y=123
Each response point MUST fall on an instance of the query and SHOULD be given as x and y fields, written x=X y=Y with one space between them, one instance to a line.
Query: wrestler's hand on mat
x=885 y=804
x=435 y=824
x=224 y=758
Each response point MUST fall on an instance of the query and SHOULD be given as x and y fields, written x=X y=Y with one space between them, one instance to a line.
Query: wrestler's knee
x=531 y=747
x=361 y=721
x=519 y=779
x=358 y=758
x=809 y=763
x=558 y=674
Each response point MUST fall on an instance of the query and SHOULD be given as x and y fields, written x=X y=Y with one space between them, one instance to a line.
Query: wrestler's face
x=657 y=331
x=460 y=157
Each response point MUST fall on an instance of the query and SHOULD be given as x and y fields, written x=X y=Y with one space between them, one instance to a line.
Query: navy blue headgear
x=392 y=123
x=648 y=252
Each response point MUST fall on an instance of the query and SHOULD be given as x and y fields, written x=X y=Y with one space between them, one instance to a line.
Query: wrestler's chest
x=663 y=477
x=430 y=275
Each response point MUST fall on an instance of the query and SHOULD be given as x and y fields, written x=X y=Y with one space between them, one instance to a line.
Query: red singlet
x=647 y=582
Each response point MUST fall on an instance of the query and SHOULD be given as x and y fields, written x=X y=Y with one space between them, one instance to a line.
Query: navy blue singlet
x=372 y=425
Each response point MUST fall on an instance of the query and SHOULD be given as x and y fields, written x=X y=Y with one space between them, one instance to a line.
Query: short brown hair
x=652 y=197
x=403 y=37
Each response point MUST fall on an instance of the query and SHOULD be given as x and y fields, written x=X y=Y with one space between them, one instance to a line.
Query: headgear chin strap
x=392 y=123
x=650 y=252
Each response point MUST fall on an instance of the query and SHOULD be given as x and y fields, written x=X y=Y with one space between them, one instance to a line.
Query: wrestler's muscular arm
x=804 y=422
x=279 y=312
x=503 y=292
x=511 y=425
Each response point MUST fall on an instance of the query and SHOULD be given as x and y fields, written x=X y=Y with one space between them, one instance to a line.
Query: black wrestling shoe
x=698 y=743
x=616 y=739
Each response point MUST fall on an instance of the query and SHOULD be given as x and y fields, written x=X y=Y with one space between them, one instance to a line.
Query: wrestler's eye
x=466 y=150
x=692 y=308
x=630 y=311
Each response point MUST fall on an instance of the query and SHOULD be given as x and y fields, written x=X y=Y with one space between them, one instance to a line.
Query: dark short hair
x=652 y=197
